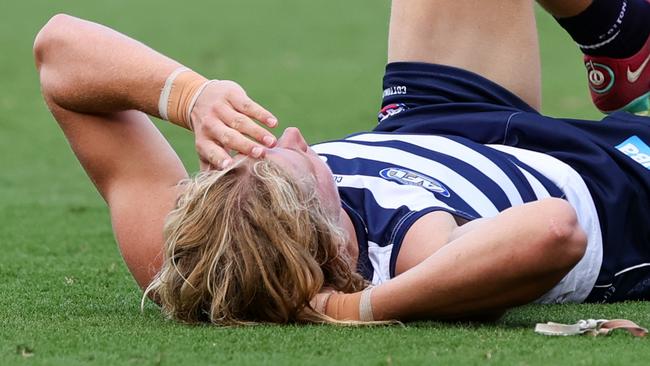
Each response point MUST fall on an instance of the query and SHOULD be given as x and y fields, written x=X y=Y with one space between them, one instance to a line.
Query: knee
x=565 y=242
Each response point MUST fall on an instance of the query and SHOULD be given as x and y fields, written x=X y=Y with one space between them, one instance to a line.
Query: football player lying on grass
x=464 y=201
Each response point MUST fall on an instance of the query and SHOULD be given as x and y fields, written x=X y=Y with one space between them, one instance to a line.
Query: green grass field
x=66 y=298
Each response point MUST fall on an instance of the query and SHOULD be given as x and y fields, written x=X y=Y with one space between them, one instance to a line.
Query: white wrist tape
x=193 y=101
x=365 y=305
x=166 y=91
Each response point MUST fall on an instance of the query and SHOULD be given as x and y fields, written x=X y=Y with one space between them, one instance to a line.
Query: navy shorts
x=612 y=155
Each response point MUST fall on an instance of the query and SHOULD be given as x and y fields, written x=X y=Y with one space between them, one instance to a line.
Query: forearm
x=507 y=260
x=518 y=256
x=468 y=227
x=89 y=68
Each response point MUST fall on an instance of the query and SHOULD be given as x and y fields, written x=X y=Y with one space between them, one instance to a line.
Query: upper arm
x=92 y=77
x=428 y=234
x=135 y=171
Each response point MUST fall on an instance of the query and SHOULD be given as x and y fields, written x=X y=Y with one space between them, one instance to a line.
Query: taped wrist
x=365 y=305
x=179 y=94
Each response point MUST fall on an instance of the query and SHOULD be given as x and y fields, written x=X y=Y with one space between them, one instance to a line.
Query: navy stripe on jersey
x=518 y=178
x=364 y=267
x=549 y=186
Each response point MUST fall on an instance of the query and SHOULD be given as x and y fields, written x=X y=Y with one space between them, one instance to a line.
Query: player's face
x=294 y=154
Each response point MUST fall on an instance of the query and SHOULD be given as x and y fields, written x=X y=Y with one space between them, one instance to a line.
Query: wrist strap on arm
x=179 y=94
x=365 y=305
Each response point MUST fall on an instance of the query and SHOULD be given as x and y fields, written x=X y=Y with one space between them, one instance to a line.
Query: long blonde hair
x=249 y=245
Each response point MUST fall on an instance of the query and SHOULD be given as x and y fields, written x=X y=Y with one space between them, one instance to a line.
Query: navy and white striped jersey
x=387 y=181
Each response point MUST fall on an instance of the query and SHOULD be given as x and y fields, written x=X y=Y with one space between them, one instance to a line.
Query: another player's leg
x=496 y=39
x=614 y=35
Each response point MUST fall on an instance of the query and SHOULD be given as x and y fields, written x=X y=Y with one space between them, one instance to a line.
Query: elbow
x=50 y=48
x=564 y=242
x=49 y=39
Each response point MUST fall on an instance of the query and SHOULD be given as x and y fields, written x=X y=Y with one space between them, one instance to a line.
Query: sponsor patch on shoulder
x=391 y=110
x=637 y=150
x=411 y=178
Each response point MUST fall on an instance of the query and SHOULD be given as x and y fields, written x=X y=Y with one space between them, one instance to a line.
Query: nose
x=292 y=138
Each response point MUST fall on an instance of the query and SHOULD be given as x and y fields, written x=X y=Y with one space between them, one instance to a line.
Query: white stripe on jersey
x=454 y=149
x=380 y=260
x=463 y=188
x=537 y=186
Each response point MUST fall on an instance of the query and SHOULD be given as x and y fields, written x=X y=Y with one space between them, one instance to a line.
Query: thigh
x=494 y=38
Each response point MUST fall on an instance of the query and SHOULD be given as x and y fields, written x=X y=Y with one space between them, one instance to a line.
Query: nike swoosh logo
x=633 y=76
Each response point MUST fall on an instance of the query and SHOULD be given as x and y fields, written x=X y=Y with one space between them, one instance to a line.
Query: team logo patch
x=391 y=110
x=637 y=150
x=411 y=178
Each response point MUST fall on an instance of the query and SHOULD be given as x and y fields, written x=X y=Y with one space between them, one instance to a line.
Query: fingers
x=224 y=120
x=203 y=165
x=232 y=139
x=242 y=103
x=246 y=126
x=212 y=155
x=214 y=145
